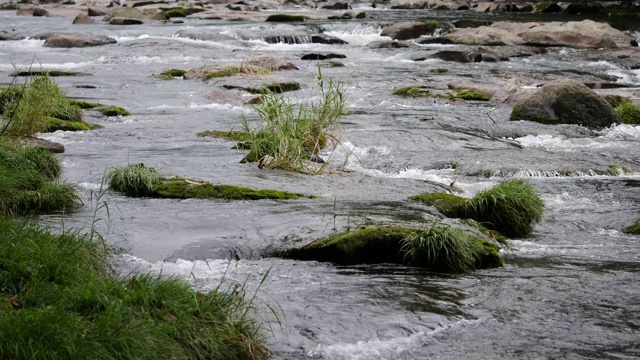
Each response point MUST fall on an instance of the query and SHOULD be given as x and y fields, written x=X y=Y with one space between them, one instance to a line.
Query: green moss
x=178 y=188
x=412 y=91
x=177 y=12
x=135 y=180
x=618 y=169
x=284 y=18
x=229 y=135
x=630 y=113
x=275 y=88
x=83 y=104
x=52 y=73
x=467 y=94
x=54 y=124
x=171 y=74
x=438 y=248
x=633 y=229
x=448 y=204
x=111 y=110
x=235 y=70
x=616 y=100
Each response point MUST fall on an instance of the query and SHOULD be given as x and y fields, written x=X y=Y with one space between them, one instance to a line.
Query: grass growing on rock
x=288 y=134
x=633 y=229
x=229 y=135
x=511 y=207
x=233 y=70
x=60 y=300
x=412 y=91
x=467 y=94
x=629 y=112
x=28 y=183
x=171 y=74
x=137 y=180
x=107 y=110
x=439 y=248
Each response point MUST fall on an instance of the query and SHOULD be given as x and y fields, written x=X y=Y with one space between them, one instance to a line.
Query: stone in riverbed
x=566 y=102
x=410 y=30
x=83 y=19
x=271 y=62
x=136 y=14
x=315 y=56
x=77 y=40
x=125 y=21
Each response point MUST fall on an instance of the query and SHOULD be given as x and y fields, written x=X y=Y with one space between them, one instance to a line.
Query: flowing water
x=572 y=291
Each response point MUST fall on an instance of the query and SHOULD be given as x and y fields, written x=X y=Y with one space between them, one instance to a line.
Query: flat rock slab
x=77 y=40
x=257 y=83
x=326 y=56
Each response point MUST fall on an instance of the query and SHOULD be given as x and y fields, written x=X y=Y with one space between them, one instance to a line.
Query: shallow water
x=571 y=291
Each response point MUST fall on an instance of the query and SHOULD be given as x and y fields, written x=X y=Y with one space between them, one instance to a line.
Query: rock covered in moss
x=284 y=18
x=566 y=102
x=412 y=91
x=629 y=112
x=633 y=229
x=440 y=249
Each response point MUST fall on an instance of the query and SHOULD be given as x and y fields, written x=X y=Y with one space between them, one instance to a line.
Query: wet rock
x=470 y=23
x=547 y=8
x=288 y=39
x=41 y=144
x=391 y=44
x=566 y=102
x=257 y=85
x=584 y=8
x=486 y=89
x=327 y=39
x=83 y=19
x=354 y=15
x=136 y=14
x=58 y=12
x=315 y=56
x=467 y=56
x=197 y=34
x=271 y=62
x=77 y=40
x=409 y=30
x=285 y=18
x=95 y=11
x=510 y=92
x=125 y=21
x=337 y=6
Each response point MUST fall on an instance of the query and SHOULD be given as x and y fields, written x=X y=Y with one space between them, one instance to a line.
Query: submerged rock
x=41 y=144
x=77 y=40
x=566 y=102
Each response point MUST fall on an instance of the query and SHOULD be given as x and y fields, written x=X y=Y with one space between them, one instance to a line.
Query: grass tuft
x=412 y=91
x=630 y=113
x=288 y=134
x=134 y=180
x=633 y=229
x=237 y=70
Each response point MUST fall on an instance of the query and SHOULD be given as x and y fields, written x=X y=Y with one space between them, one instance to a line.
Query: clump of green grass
x=178 y=12
x=439 y=248
x=288 y=134
x=616 y=100
x=618 y=169
x=412 y=91
x=510 y=208
x=25 y=108
x=237 y=70
x=134 y=180
x=467 y=94
x=107 y=110
x=60 y=300
x=633 y=229
x=137 y=180
x=171 y=74
x=28 y=183
x=629 y=112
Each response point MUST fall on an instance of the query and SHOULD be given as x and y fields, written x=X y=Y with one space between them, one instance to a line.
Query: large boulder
x=409 y=30
x=77 y=40
x=136 y=14
x=566 y=102
x=267 y=61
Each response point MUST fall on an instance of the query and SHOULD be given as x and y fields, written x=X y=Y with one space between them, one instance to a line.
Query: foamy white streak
x=193 y=106
x=550 y=142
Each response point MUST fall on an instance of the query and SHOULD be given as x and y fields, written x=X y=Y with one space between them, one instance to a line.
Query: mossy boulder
x=633 y=229
x=468 y=94
x=566 y=102
x=171 y=74
x=137 y=180
x=107 y=110
x=284 y=18
x=616 y=100
x=511 y=208
x=54 y=124
x=630 y=113
x=412 y=91
x=441 y=249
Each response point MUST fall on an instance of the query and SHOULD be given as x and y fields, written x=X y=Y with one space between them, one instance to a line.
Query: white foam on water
x=551 y=142
x=388 y=349
x=46 y=66
x=566 y=201
x=603 y=64
x=194 y=106
x=622 y=132
x=207 y=43
x=626 y=76
x=22 y=45
x=144 y=60
x=358 y=35
x=89 y=186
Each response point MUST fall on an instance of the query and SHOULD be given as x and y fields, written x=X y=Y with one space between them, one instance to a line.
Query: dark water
x=572 y=291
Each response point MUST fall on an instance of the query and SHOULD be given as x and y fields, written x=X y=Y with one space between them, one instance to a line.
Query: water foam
x=47 y=66
x=358 y=35
x=622 y=132
x=194 y=106
x=551 y=142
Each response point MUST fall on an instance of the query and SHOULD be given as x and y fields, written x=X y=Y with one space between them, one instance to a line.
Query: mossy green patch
x=284 y=18
x=630 y=113
x=177 y=12
x=616 y=100
x=229 y=135
x=448 y=204
x=54 y=124
x=467 y=94
x=438 y=248
x=412 y=91
x=171 y=74
x=276 y=88
x=633 y=229
x=236 y=70
x=111 y=110
x=618 y=169
x=52 y=73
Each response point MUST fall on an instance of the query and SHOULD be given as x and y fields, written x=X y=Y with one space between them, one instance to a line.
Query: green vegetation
x=412 y=91
x=630 y=113
x=277 y=88
x=511 y=207
x=236 y=70
x=284 y=18
x=618 y=169
x=616 y=100
x=28 y=183
x=60 y=300
x=171 y=74
x=229 y=135
x=288 y=134
x=107 y=110
x=137 y=180
x=50 y=73
x=467 y=94
x=633 y=229
x=438 y=248
x=179 y=12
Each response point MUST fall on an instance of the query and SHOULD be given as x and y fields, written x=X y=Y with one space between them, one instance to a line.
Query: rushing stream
x=570 y=292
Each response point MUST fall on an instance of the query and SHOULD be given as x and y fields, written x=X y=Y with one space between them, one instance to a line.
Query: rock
x=284 y=18
x=354 y=15
x=271 y=62
x=125 y=21
x=391 y=44
x=94 y=11
x=257 y=85
x=472 y=55
x=83 y=19
x=566 y=102
x=547 y=8
x=327 y=39
x=40 y=12
x=41 y=144
x=510 y=92
x=488 y=90
x=409 y=30
x=77 y=40
x=337 y=6
x=315 y=56
x=470 y=23
x=197 y=34
x=136 y=14
x=584 y=8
